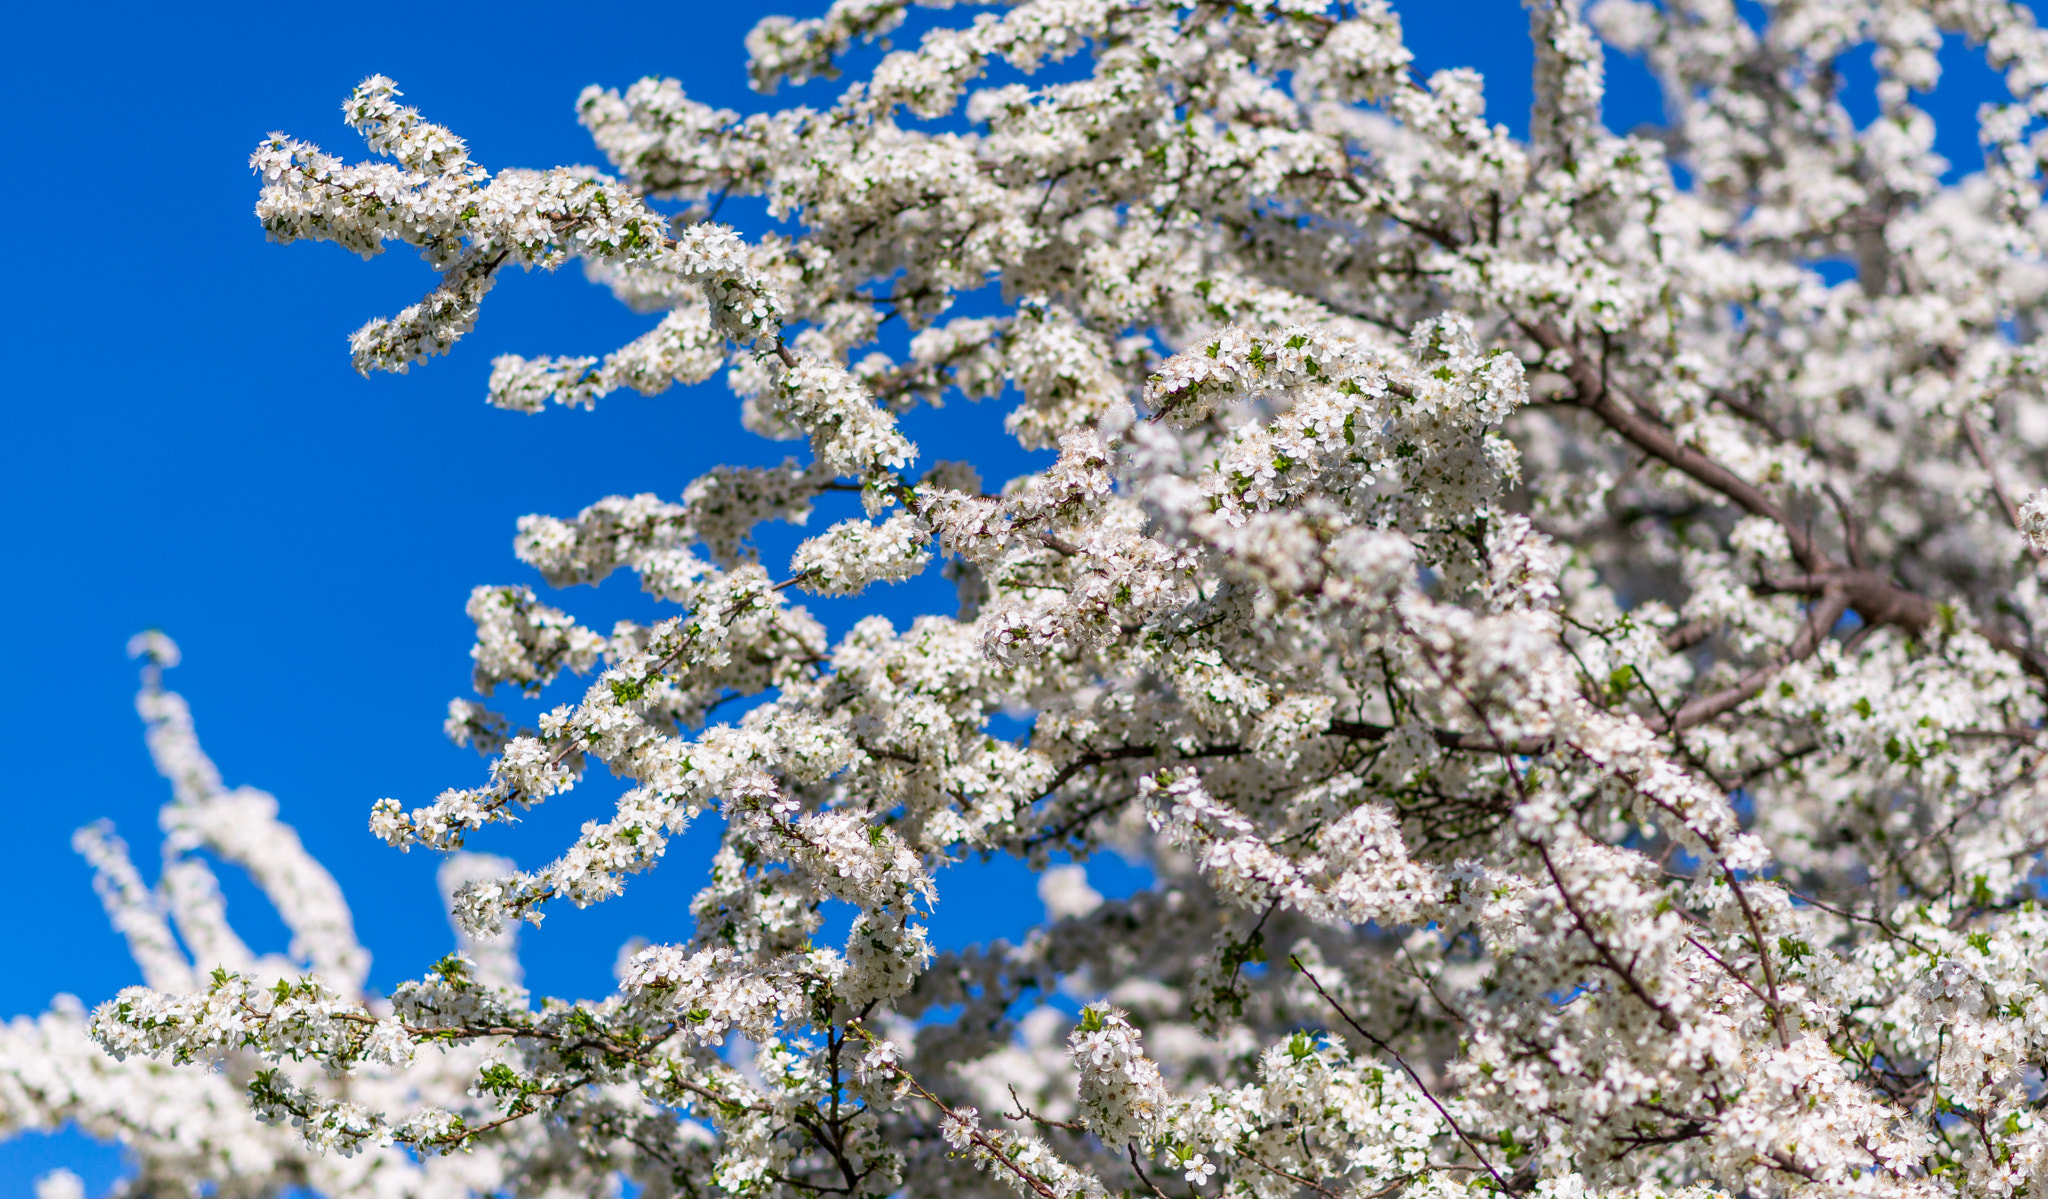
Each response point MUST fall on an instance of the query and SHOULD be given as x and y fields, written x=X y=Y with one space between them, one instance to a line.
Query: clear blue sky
x=186 y=447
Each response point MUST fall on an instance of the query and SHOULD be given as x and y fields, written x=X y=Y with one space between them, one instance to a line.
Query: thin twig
x=1131 y=1151
x=1025 y=1113
x=1390 y=1051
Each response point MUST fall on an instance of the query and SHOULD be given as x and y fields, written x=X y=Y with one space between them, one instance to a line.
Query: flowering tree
x=1573 y=672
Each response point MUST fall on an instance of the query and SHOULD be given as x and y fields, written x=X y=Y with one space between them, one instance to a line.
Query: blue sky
x=186 y=447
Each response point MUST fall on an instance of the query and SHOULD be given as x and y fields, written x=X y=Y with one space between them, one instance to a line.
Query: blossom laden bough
x=1571 y=670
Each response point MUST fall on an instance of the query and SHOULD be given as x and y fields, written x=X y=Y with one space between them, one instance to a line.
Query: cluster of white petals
x=1563 y=623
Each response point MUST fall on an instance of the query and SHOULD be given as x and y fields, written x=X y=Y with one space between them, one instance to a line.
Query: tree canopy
x=1560 y=620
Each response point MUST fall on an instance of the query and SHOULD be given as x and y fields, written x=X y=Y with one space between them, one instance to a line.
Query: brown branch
x=1729 y=969
x=1664 y=1017
x=1852 y=529
x=1763 y=954
x=1872 y=595
x=1131 y=1151
x=1687 y=635
x=2012 y=512
x=974 y=1134
x=1446 y=738
x=1875 y=598
x=1390 y=1051
x=1317 y=1187
x=1356 y=730
x=1819 y=619
x=468 y=1134
x=1025 y=1113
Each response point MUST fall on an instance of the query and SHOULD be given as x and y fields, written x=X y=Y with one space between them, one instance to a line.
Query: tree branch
x=1390 y=1051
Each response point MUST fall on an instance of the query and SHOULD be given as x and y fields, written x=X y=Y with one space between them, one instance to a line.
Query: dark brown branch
x=1875 y=598
x=1390 y=1051
x=1820 y=618
x=1356 y=730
